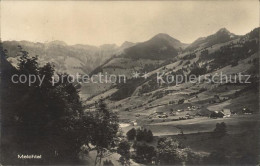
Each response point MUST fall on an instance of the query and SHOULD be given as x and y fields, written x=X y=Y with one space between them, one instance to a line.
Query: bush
x=221 y=129
x=108 y=163
x=131 y=134
x=189 y=56
x=144 y=135
x=145 y=154
x=204 y=53
x=188 y=62
x=124 y=150
x=149 y=136
x=180 y=63
x=170 y=152
x=181 y=101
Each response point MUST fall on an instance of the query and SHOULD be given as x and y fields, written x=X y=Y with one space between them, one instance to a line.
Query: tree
x=204 y=53
x=144 y=153
x=193 y=158
x=149 y=136
x=124 y=150
x=169 y=152
x=104 y=137
x=216 y=115
x=181 y=101
x=143 y=134
x=221 y=129
x=42 y=119
x=139 y=135
x=131 y=134
x=108 y=163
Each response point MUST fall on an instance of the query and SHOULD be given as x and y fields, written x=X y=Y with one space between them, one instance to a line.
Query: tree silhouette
x=124 y=150
x=221 y=129
x=104 y=136
x=131 y=134
x=45 y=120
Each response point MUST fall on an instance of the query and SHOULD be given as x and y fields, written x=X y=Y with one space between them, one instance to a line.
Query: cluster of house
x=224 y=113
x=162 y=114
x=246 y=110
x=218 y=99
x=158 y=114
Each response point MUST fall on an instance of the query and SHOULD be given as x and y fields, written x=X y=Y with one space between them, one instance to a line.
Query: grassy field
x=235 y=124
x=231 y=144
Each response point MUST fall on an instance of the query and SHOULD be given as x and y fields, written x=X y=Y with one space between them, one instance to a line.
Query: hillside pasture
x=235 y=124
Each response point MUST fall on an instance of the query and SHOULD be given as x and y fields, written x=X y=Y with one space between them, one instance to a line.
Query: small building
x=173 y=113
x=159 y=112
x=133 y=123
x=190 y=115
x=246 y=110
x=180 y=110
x=216 y=114
x=162 y=116
x=137 y=115
x=187 y=115
x=226 y=112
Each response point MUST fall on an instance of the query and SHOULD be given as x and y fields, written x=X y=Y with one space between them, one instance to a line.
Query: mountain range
x=158 y=52
x=66 y=58
x=190 y=112
x=85 y=58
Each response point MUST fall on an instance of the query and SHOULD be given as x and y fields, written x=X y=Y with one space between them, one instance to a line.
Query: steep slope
x=221 y=36
x=160 y=47
x=144 y=56
x=146 y=95
x=141 y=57
x=124 y=46
x=66 y=58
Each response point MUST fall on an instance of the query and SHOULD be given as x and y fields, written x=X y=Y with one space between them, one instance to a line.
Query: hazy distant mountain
x=125 y=45
x=221 y=36
x=66 y=58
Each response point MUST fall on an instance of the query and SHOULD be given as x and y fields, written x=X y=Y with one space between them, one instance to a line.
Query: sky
x=107 y=22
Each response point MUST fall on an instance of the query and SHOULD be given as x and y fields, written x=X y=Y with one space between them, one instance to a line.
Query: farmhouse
x=133 y=123
x=246 y=110
x=226 y=112
x=190 y=116
x=217 y=114
x=159 y=112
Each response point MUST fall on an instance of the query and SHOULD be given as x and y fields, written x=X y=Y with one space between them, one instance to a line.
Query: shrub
x=124 y=150
x=145 y=154
x=181 y=101
x=108 y=163
x=131 y=134
x=221 y=129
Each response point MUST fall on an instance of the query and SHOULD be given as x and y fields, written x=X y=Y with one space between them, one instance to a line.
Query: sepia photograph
x=129 y=83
